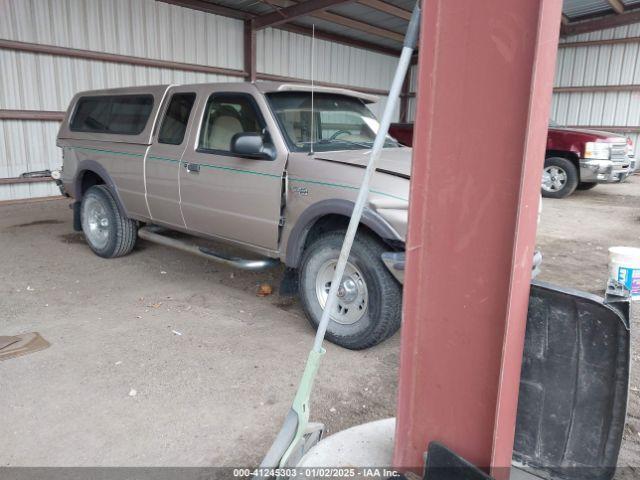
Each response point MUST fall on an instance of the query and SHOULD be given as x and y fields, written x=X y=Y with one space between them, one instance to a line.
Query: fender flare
x=313 y=213
x=95 y=167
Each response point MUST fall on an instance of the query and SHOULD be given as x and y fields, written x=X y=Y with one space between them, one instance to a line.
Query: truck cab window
x=225 y=116
x=340 y=122
x=176 y=118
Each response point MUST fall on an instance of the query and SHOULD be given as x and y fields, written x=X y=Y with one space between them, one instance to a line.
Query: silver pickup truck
x=270 y=167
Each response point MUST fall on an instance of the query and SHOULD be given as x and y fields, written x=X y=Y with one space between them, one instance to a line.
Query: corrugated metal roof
x=361 y=12
x=331 y=27
x=255 y=7
x=371 y=16
x=350 y=10
x=581 y=8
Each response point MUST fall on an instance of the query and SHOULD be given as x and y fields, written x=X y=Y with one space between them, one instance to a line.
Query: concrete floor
x=214 y=366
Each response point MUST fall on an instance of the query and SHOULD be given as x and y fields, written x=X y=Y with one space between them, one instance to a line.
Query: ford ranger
x=270 y=167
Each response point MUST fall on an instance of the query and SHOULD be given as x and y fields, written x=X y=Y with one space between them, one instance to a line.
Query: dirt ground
x=164 y=359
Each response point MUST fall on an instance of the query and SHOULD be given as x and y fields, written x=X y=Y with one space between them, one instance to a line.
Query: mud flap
x=77 y=222
x=574 y=384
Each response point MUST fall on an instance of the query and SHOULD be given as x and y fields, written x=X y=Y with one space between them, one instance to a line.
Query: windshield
x=339 y=122
x=553 y=123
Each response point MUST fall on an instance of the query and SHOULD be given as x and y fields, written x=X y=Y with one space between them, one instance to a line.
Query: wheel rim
x=95 y=223
x=353 y=295
x=553 y=179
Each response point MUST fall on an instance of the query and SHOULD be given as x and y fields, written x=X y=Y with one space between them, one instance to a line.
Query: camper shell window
x=115 y=114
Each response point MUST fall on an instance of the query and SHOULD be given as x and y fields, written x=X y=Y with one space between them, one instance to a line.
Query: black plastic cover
x=573 y=386
x=444 y=464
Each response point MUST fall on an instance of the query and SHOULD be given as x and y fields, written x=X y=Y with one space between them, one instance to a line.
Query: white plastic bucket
x=624 y=266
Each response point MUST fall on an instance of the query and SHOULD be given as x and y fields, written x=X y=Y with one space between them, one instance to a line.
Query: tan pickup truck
x=270 y=167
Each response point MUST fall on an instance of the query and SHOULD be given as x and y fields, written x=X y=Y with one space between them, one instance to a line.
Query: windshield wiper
x=348 y=142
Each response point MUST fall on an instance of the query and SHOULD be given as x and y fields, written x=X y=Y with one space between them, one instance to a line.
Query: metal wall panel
x=45 y=82
x=33 y=81
x=279 y=52
x=27 y=146
x=599 y=65
x=143 y=28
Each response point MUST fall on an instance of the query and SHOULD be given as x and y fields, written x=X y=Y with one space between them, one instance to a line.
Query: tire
x=107 y=232
x=380 y=315
x=559 y=178
x=586 y=185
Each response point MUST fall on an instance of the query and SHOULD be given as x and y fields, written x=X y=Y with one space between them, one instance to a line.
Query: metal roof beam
x=361 y=26
x=387 y=8
x=334 y=37
x=609 y=21
x=287 y=14
x=342 y=20
x=207 y=7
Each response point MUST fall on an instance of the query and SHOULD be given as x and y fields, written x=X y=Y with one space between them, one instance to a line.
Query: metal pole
x=298 y=416
x=484 y=89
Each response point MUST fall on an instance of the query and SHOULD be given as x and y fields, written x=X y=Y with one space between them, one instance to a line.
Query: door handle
x=193 y=167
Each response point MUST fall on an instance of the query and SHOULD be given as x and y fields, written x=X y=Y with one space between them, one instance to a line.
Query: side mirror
x=251 y=144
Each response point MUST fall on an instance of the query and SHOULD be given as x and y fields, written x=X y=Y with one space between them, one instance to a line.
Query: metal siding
x=144 y=28
x=599 y=65
x=590 y=66
x=279 y=52
x=45 y=82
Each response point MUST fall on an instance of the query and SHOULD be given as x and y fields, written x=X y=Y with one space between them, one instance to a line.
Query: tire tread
x=126 y=229
x=390 y=309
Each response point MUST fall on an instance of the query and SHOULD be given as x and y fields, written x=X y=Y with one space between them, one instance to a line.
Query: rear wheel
x=108 y=232
x=559 y=178
x=369 y=299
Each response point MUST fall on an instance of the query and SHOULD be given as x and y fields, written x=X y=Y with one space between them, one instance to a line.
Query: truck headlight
x=597 y=150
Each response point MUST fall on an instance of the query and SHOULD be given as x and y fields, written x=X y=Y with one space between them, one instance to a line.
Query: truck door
x=226 y=195
x=162 y=163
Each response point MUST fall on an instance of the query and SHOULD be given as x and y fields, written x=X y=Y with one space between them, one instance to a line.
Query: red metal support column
x=484 y=89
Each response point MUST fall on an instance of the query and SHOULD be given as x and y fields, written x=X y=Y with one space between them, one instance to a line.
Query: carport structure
x=48 y=53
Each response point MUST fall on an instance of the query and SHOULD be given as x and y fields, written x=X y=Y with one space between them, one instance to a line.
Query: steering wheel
x=339 y=132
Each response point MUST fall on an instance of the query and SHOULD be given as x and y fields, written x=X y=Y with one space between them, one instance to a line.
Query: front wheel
x=369 y=303
x=559 y=178
x=108 y=232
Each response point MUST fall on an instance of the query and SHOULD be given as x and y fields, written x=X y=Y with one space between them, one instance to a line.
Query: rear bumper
x=604 y=171
x=57 y=177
